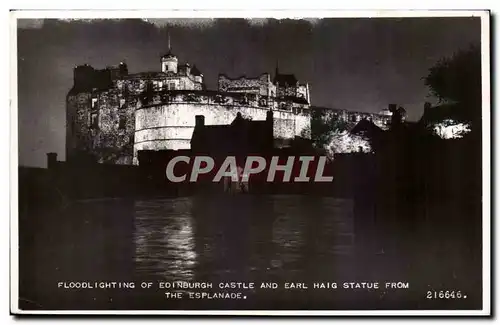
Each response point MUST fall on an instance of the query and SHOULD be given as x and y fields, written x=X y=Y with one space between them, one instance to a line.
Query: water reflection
x=287 y=234
x=243 y=238
x=164 y=239
x=247 y=238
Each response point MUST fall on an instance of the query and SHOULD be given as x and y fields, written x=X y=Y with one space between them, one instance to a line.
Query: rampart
x=166 y=120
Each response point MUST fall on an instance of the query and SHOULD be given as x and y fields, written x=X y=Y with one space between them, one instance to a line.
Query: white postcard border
x=115 y=14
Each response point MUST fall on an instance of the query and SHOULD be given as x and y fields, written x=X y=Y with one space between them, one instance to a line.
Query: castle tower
x=198 y=76
x=169 y=61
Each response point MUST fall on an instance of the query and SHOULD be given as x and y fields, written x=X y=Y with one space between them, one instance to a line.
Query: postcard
x=250 y=163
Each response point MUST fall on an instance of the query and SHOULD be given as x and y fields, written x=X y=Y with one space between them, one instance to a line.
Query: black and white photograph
x=274 y=163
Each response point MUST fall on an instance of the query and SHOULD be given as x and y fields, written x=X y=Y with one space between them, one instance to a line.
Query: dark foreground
x=250 y=238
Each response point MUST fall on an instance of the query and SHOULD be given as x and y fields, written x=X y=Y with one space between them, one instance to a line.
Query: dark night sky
x=353 y=64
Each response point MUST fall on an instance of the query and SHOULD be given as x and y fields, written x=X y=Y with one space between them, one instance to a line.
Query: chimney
x=51 y=160
x=392 y=107
x=123 y=69
x=200 y=120
x=269 y=116
x=270 y=123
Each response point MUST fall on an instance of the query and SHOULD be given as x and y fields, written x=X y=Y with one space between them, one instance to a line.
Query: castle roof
x=148 y=74
x=168 y=55
x=285 y=79
x=366 y=127
x=195 y=71
x=240 y=136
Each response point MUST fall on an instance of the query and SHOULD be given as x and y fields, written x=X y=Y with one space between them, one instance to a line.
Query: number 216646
x=448 y=294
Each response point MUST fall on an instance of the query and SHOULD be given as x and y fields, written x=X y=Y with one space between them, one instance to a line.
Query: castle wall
x=261 y=85
x=113 y=137
x=352 y=118
x=286 y=91
x=171 y=126
x=100 y=125
x=78 y=137
x=105 y=124
x=138 y=84
x=303 y=126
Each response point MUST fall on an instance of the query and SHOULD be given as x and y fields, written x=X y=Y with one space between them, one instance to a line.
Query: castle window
x=94 y=121
x=171 y=86
x=122 y=122
x=243 y=100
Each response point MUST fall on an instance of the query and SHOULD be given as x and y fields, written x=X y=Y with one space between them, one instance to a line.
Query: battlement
x=230 y=99
x=261 y=85
x=86 y=77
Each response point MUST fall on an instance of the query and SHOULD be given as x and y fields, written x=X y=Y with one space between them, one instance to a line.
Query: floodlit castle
x=112 y=114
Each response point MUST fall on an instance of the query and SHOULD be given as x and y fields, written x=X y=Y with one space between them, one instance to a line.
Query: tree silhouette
x=457 y=80
x=323 y=125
